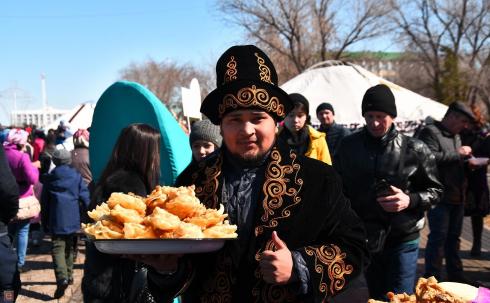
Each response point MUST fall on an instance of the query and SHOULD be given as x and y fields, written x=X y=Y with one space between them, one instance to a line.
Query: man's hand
x=396 y=202
x=161 y=263
x=464 y=151
x=277 y=266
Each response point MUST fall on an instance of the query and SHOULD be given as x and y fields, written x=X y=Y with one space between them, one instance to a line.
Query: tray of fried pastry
x=171 y=220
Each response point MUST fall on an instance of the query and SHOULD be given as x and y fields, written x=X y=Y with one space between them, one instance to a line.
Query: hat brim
x=246 y=90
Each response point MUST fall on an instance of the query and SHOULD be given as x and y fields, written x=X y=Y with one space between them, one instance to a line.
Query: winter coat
x=64 y=196
x=444 y=145
x=300 y=198
x=317 y=146
x=9 y=193
x=80 y=161
x=334 y=134
x=24 y=172
x=362 y=160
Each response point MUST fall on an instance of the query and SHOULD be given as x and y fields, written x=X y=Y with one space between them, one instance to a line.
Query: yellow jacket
x=318 y=148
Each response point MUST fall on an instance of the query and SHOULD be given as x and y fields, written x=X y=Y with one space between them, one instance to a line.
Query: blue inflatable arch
x=124 y=103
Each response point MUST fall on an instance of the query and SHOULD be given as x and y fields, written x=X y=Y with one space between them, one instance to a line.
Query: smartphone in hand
x=382 y=188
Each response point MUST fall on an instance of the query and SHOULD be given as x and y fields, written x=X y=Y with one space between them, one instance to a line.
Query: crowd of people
x=317 y=210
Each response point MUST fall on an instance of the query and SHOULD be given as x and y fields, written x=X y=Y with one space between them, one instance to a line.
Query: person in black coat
x=9 y=205
x=335 y=132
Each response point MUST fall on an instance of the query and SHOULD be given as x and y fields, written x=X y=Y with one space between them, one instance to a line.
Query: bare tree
x=299 y=33
x=450 y=39
x=164 y=79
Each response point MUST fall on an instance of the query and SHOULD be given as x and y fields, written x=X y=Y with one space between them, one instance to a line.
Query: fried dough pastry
x=185 y=206
x=224 y=230
x=125 y=215
x=138 y=231
x=171 y=212
x=428 y=291
x=187 y=230
x=127 y=201
x=99 y=212
x=209 y=218
x=163 y=220
x=99 y=231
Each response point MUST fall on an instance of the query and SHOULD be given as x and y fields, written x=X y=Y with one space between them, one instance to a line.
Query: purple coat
x=24 y=172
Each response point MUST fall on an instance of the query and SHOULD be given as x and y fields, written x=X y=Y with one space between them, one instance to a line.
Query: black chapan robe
x=301 y=199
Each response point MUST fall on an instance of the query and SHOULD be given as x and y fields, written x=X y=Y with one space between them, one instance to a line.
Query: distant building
x=384 y=64
x=39 y=117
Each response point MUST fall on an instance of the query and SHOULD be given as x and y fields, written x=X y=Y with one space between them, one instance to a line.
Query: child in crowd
x=64 y=193
x=204 y=139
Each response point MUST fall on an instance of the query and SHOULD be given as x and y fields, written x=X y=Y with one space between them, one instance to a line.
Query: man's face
x=378 y=123
x=325 y=117
x=457 y=122
x=295 y=120
x=248 y=134
x=201 y=148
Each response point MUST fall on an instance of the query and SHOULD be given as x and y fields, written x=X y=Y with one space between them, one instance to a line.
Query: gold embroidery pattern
x=231 y=72
x=207 y=193
x=329 y=259
x=265 y=72
x=252 y=96
x=278 y=177
x=218 y=289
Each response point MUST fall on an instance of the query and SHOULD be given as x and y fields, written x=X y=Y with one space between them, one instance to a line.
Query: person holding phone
x=391 y=180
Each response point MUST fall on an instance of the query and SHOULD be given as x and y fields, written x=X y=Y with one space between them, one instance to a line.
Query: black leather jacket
x=362 y=160
x=444 y=146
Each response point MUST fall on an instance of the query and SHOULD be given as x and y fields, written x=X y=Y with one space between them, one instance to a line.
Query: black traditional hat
x=461 y=107
x=245 y=78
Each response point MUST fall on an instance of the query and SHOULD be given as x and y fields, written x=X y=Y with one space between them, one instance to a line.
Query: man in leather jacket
x=391 y=179
x=446 y=219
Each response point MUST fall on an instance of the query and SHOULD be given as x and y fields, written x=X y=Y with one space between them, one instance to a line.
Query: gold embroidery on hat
x=252 y=97
x=330 y=260
x=231 y=72
x=265 y=72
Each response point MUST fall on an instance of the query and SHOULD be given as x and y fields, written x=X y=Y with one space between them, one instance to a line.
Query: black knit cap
x=379 y=98
x=460 y=107
x=245 y=79
x=206 y=131
x=299 y=98
x=324 y=106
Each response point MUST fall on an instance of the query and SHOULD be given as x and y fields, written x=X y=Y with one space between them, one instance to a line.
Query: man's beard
x=250 y=160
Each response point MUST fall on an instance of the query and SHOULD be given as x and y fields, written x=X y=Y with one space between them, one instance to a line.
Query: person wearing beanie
x=80 y=154
x=288 y=209
x=299 y=135
x=446 y=218
x=334 y=132
x=64 y=196
x=391 y=180
x=204 y=139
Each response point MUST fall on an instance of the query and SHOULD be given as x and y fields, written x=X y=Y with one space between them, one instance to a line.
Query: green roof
x=387 y=56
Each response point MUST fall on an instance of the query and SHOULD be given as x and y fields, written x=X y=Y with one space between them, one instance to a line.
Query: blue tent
x=124 y=103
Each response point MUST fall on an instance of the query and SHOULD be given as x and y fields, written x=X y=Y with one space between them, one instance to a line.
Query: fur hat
x=206 y=131
x=245 y=78
x=81 y=138
x=325 y=106
x=379 y=98
x=17 y=136
x=61 y=157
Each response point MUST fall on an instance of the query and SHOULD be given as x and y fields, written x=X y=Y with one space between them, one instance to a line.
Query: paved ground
x=39 y=284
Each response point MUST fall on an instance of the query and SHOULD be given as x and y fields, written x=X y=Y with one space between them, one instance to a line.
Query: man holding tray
x=298 y=239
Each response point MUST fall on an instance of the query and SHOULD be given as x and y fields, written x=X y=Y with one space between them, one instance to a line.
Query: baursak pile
x=168 y=212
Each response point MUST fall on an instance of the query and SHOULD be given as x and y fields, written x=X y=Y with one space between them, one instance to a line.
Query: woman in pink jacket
x=26 y=175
